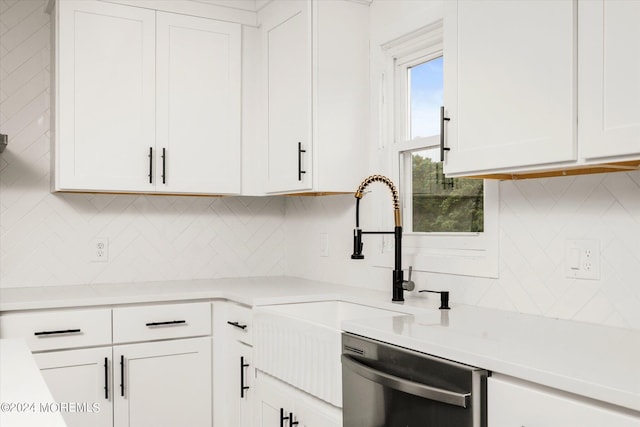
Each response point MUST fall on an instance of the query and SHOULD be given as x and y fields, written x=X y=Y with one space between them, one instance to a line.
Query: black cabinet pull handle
x=237 y=325
x=170 y=322
x=150 y=165
x=58 y=332
x=442 y=147
x=122 y=375
x=242 y=386
x=282 y=417
x=106 y=378
x=300 y=151
x=291 y=422
x=164 y=166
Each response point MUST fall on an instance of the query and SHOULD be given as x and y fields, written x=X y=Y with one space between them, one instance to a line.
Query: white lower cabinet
x=233 y=371
x=164 y=383
x=279 y=404
x=81 y=377
x=516 y=403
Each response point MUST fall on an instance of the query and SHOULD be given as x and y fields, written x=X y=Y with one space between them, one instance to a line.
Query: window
x=450 y=224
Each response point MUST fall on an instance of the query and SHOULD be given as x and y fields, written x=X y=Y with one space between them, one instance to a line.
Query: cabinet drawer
x=157 y=322
x=51 y=330
x=239 y=321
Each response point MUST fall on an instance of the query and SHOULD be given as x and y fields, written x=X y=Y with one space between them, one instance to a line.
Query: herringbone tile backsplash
x=45 y=238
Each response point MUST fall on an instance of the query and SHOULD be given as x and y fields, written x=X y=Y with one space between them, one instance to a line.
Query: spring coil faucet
x=399 y=285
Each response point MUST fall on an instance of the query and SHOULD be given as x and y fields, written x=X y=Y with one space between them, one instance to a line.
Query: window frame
x=466 y=253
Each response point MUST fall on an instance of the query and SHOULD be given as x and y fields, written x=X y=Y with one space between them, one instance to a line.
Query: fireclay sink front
x=300 y=343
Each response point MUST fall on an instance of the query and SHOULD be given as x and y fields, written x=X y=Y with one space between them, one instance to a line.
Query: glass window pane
x=444 y=204
x=425 y=98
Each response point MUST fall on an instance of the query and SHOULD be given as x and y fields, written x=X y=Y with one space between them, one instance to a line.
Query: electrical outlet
x=582 y=259
x=100 y=250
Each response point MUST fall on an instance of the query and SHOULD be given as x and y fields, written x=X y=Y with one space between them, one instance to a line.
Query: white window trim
x=468 y=254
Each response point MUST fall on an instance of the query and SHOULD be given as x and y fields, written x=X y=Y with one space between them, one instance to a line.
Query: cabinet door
x=164 y=383
x=272 y=402
x=242 y=385
x=287 y=45
x=609 y=91
x=106 y=103
x=509 y=84
x=81 y=377
x=517 y=404
x=198 y=99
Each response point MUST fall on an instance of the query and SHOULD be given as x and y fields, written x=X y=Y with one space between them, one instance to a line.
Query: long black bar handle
x=237 y=325
x=58 y=332
x=150 y=165
x=242 y=386
x=282 y=417
x=106 y=378
x=171 y=322
x=164 y=165
x=300 y=151
x=122 y=375
x=442 y=147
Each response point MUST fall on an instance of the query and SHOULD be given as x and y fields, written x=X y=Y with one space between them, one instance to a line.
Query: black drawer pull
x=170 y=322
x=59 y=332
x=237 y=325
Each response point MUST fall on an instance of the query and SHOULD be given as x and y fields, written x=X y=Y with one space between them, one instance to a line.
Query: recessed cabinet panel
x=198 y=95
x=165 y=383
x=609 y=54
x=288 y=56
x=510 y=84
x=106 y=105
x=81 y=377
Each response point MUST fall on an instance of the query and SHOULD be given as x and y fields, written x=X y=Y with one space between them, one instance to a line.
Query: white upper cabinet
x=145 y=101
x=315 y=71
x=198 y=100
x=104 y=96
x=537 y=88
x=287 y=38
x=510 y=82
x=609 y=83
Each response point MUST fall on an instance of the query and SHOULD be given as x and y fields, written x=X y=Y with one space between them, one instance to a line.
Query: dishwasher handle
x=407 y=386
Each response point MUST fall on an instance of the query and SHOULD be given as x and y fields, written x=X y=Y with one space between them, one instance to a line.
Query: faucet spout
x=398 y=284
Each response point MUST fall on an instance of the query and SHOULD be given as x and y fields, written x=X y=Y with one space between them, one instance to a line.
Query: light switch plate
x=582 y=259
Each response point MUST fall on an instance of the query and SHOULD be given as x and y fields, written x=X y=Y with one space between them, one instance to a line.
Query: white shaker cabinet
x=609 y=79
x=509 y=84
x=82 y=377
x=279 y=404
x=515 y=403
x=315 y=73
x=233 y=370
x=163 y=383
x=145 y=101
x=198 y=105
x=104 y=100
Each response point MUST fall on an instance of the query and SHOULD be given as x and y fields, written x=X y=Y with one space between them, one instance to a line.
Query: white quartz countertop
x=591 y=360
x=595 y=361
x=24 y=396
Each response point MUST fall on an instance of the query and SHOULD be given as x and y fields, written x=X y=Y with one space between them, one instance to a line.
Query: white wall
x=536 y=218
x=45 y=238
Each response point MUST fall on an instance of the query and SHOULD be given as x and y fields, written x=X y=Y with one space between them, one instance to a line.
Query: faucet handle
x=409 y=285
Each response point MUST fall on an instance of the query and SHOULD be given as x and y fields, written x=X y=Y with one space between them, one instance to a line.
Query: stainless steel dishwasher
x=388 y=386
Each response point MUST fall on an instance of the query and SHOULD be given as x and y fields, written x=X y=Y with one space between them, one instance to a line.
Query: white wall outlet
x=324 y=245
x=582 y=259
x=100 y=250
